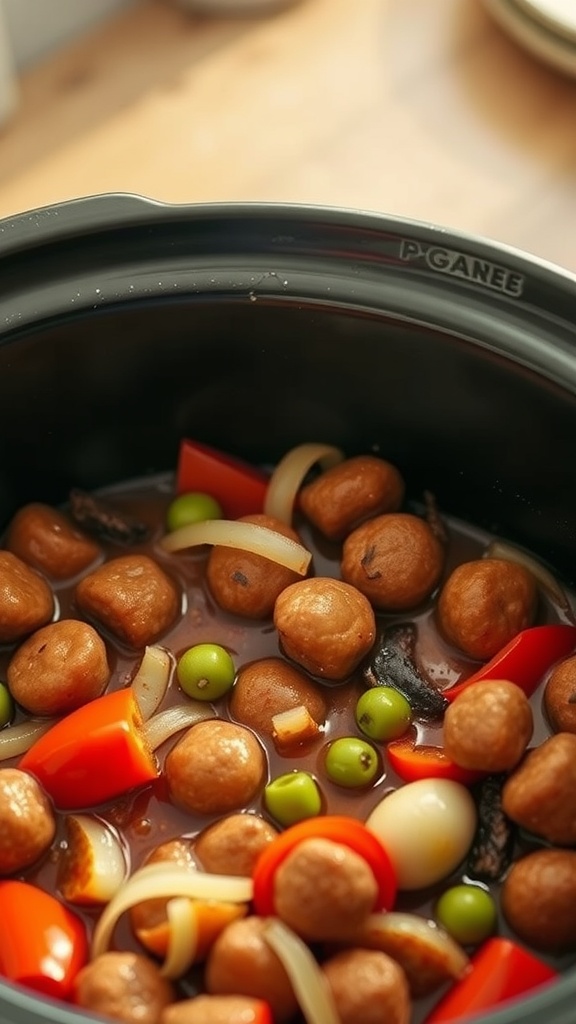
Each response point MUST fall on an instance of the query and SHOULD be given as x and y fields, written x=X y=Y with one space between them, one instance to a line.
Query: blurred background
x=428 y=109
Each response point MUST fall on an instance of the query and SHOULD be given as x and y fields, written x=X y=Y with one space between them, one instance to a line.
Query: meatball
x=26 y=600
x=347 y=494
x=124 y=986
x=540 y=795
x=232 y=846
x=325 y=625
x=247 y=584
x=270 y=686
x=484 y=604
x=560 y=696
x=488 y=726
x=216 y=767
x=395 y=560
x=27 y=823
x=241 y=962
x=59 y=668
x=539 y=899
x=323 y=890
x=132 y=597
x=368 y=987
x=45 y=538
x=213 y=1010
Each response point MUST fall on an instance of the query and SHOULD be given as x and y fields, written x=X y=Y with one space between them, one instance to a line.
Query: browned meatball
x=247 y=584
x=325 y=625
x=59 y=668
x=488 y=726
x=45 y=538
x=232 y=846
x=539 y=899
x=395 y=560
x=369 y=987
x=132 y=597
x=27 y=824
x=241 y=962
x=560 y=696
x=484 y=604
x=150 y=913
x=216 y=767
x=124 y=986
x=323 y=890
x=354 y=490
x=26 y=600
x=270 y=686
x=541 y=794
x=213 y=1010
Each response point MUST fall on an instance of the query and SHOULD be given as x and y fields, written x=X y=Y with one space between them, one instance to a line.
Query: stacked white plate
x=547 y=28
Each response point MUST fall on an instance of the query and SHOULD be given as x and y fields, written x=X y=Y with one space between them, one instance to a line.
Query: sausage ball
x=560 y=696
x=242 y=963
x=233 y=845
x=325 y=625
x=538 y=899
x=213 y=1010
x=270 y=686
x=323 y=890
x=484 y=604
x=26 y=600
x=45 y=538
x=395 y=560
x=247 y=584
x=368 y=987
x=488 y=726
x=27 y=823
x=540 y=795
x=59 y=668
x=131 y=596
x=124 y=986
x=215 y=768
x=347 y=494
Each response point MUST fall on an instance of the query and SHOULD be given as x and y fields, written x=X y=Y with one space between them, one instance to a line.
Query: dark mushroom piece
x=101 y=518
x=492 y=849
x=393 y=663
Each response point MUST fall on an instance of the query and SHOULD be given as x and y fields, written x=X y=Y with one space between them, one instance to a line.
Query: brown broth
x=146 y=818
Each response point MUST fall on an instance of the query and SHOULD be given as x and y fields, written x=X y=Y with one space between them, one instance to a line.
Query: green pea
x=6 y=705
x=468 y=913
x=205 y=671
x=292 y=797
x=194 y=507
x=351 y=762
x=383 y=713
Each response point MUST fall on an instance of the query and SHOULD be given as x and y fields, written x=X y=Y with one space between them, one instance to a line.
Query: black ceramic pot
x=125 y=324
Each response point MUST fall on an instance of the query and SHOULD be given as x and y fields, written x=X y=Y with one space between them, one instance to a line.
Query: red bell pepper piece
x=412 y=761
x=94 y=754
x=339 y=829
x=525 y=659
x=500 y=970
x=43 y=945
x=239 y=488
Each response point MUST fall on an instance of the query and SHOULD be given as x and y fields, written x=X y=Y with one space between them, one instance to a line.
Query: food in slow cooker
x=297 y=747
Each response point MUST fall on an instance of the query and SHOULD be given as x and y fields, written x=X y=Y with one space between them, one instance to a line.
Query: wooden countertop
x=421 y=108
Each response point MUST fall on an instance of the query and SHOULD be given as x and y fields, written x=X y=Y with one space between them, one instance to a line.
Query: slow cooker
x=126 y=324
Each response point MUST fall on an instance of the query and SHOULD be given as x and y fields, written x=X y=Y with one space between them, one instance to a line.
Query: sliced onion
x=427 y=954
x=182 y=937
x=294 y=726
x=232 y=533
x=163 y=881
x=289 y=474
x=309 y=983
x=161 y=727
x=17 y=739
x=151 y=680
x=93 y=867
x=509 y=553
